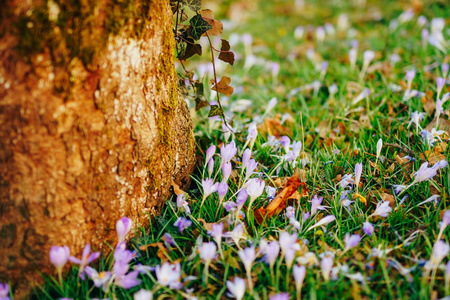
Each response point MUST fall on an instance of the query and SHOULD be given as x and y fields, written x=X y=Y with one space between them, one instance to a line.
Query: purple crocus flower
x=351 y=241
x=358 y=172
x=209 y=187
x=59 y=256
x=440 y=82
x=182 y=203
x=382 y=209
x=227 y=152
x=271 y=253
x=4 y=291
x=182 y=223
x=440 y=250
x=143 y=294
x=207 y=252
x=217 y=233
x=236 y=234
x=247 y=256
x=299 y=273
x=100 y=279
x=246 y=157
x=290 y=212
x=123 y=227
x=241 y=198
x=252 y=134
x=226 y=171
x=236 y=288
x=251 y=166
x=280 y=296
x=210 y=152
x=289 y=246
x=86 y=258
x=424 y=173
x=255 y=188
x=222 y=190
x=315 y=204
x=210 y=166
x=324 y=221
x=368 y=228
x=168 y=239
x=286 y=143
x=229 y=206
x=169 y=275
x=326 y=264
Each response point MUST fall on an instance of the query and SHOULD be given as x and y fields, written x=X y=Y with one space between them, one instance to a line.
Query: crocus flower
x=86 y=258
x=226 y=171
x=289 y=247
x=241 y=198
x=100 y=279
x=222 y=190
x=352 y=56
x=183 y=204
x=236 y=288
x=252 y=134
x=299 y=276
x=169 y=275
x=4 y=291
x=290 y=212
x=358 y=172
x=251 y=166
x=410 y=77
x=272 y=102
x=123 y=227
x=382 y=209
x=379 y=147
x=182 y=223
x=280 y=296
x=207 y=252
x=346 y=181
x=210 y=152
x=271 y=253
x=368 y=228
x=217 y=233
x=247 y=256
x=309 y=258
x=416 y=117
x=236 y=234
x=324 y=221
x=255 y=188
x=227 y=152
x=246 y=157
x=59 y=256
x=445 y=222
x=229 y=206
x=368 y=57
x=440 y=250
x=351 y=241
x=143 y=294
x=316 y=204
x=209 y=187
x=210 y=166
x=424 y=173
x=440 y=82
x=326 y=264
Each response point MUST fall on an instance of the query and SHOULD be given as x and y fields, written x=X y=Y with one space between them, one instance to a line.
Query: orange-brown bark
x=91 y=126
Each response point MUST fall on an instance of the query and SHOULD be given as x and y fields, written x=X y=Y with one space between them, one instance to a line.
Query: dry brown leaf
x=388 y=197
x=206 y=225
x=273 y=126
x=223 y=86
x=176 y=189
x=217 y=26
x=279 y=202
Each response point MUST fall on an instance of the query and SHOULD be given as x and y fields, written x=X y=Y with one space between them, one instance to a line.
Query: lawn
x=329 y=179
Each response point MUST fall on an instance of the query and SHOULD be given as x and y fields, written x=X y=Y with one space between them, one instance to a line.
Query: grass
x=322 y=123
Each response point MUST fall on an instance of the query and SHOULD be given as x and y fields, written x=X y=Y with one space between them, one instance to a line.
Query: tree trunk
x=91 y=125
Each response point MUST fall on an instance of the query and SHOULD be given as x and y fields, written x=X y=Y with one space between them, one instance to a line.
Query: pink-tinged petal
x=92 y=257
x=75 y=260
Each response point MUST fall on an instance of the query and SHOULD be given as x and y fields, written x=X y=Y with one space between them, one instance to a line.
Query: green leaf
x=199 y=26
x=215 y=111
x=194 y=5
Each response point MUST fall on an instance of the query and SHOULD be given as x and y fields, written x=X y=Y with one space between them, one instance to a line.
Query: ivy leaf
x=226 y=55
x=199 y=103
x=215 y=111
x=191 y=50
x=223 y=86
x=217 y=26
x=199 y=90
x=142 y=241
x=199 y=26
x=194 y=5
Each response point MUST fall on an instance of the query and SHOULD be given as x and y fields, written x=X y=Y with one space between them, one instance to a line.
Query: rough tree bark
x=91 y=125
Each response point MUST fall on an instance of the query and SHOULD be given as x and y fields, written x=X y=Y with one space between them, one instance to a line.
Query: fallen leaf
x=388 y=197
x=273 y=126
x=206 y=225
x=176 y=189
x=278 y=204
x=360 y=198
